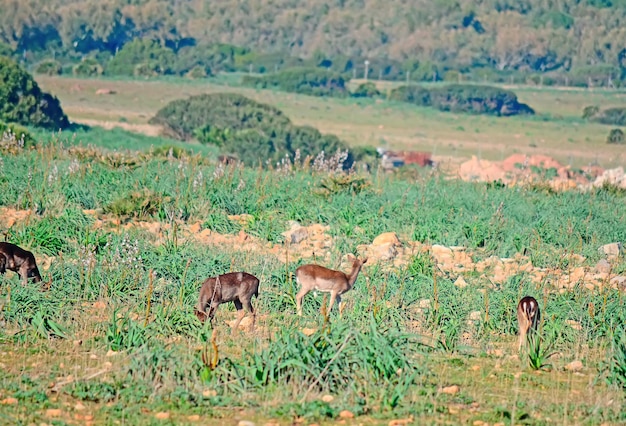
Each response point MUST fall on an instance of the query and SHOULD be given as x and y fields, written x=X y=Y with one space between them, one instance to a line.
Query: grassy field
x=126 y=240
x=556 y=130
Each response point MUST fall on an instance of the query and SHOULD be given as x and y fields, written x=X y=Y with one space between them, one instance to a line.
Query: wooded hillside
x=533 y=35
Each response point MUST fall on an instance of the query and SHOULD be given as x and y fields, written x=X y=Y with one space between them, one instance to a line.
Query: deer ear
x=350 y=257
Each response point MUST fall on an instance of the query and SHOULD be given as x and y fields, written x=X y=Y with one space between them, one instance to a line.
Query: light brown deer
x=315 y=277
x=528 y=317
x=236 y=287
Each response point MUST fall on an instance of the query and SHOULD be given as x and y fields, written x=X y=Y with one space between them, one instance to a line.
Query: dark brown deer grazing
x=18 y=260
x=315 y=277
x=528 y=316
x=236 y=287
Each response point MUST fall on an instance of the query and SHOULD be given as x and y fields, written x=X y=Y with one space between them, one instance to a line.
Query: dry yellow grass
x=557 y=129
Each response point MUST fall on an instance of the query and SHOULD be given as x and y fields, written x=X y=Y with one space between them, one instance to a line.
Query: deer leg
x=240 y=314
x=340 y=305
x=23 y=273
x=333 y=295
x=247 y=304
x=299 y=298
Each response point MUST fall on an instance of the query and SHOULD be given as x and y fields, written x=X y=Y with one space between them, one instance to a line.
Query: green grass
x=389 y=356
x=557 y=130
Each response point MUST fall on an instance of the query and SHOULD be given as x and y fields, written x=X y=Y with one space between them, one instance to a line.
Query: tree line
x=584 y=38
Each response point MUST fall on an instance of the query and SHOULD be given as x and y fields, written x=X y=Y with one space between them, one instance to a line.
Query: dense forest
x=587 y=37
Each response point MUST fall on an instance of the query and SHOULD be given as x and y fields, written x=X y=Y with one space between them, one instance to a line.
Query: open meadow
x=428 y=334
x=557 y=130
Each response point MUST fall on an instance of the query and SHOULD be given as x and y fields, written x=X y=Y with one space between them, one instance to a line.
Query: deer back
x=321 y=278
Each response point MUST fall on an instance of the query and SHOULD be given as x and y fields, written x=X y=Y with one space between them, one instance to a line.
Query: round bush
x=23 y=102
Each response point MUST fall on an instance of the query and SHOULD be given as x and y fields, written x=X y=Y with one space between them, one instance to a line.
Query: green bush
x=615 y=136
x=413 y=94
x=184 y=118
x=248 y=129
x=468 y=98
x=142 y=57
x=88 y=67
x=366 y=90
x=48 y=67
x=23 y=102
x=307 y=81
x=20 y=133
x=613 y=116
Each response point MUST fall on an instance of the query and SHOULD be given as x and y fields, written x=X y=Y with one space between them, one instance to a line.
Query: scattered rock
x=79 y=407
x=451 y=390
x=308 y=331
x=475 y=315
x=574 y=366
x=208 y=393
x=105 y=92
x=460 y=282
x=193 y=418
x=574 y=324
x=345 y=414
x=424 y=303
x=111 y=353
x=8 y=401
x=245 y=423
x=619 y=281
x=328 y=398
x=612 y=250
x=603 y=266
x=53 y=412
x=400 y=422
x=387 y=238
x=162 y=415
x=296 y=234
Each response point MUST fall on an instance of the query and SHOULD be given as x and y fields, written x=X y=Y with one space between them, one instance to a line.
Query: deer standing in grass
x=236 y=287
x=16 y=259
x=528 y=316
x=315 y=277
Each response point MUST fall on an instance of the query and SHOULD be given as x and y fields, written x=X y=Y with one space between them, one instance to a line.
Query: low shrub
x=48 y=67
x=307 y=81
x=88 y=67
x=254 y=132
x=615 y=136
x=23 y=102
x=366 y=90
x=467 y=98
x=613 y=116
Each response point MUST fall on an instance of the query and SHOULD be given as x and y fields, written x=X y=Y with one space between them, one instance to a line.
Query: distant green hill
x=501 y=35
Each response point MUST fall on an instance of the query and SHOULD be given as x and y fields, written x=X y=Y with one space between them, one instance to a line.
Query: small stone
x=451 y=390
x=111 y=353
x=162 y=415
x=53 y=412
x=245 y=423
x=424 y=303
x=328 y=398
x=611 y=250
x=209 y=393
x=8 y=401
x=400 y=422
x=108 y=364
x=460 y=282
x=387 y=238
x=93 y=356
x=475 y=315
x=78 y=342
x=88 y=417
x=193 y=418
x=574 y=366
x=79 y=407
x=345 y=414
x=603 y=266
